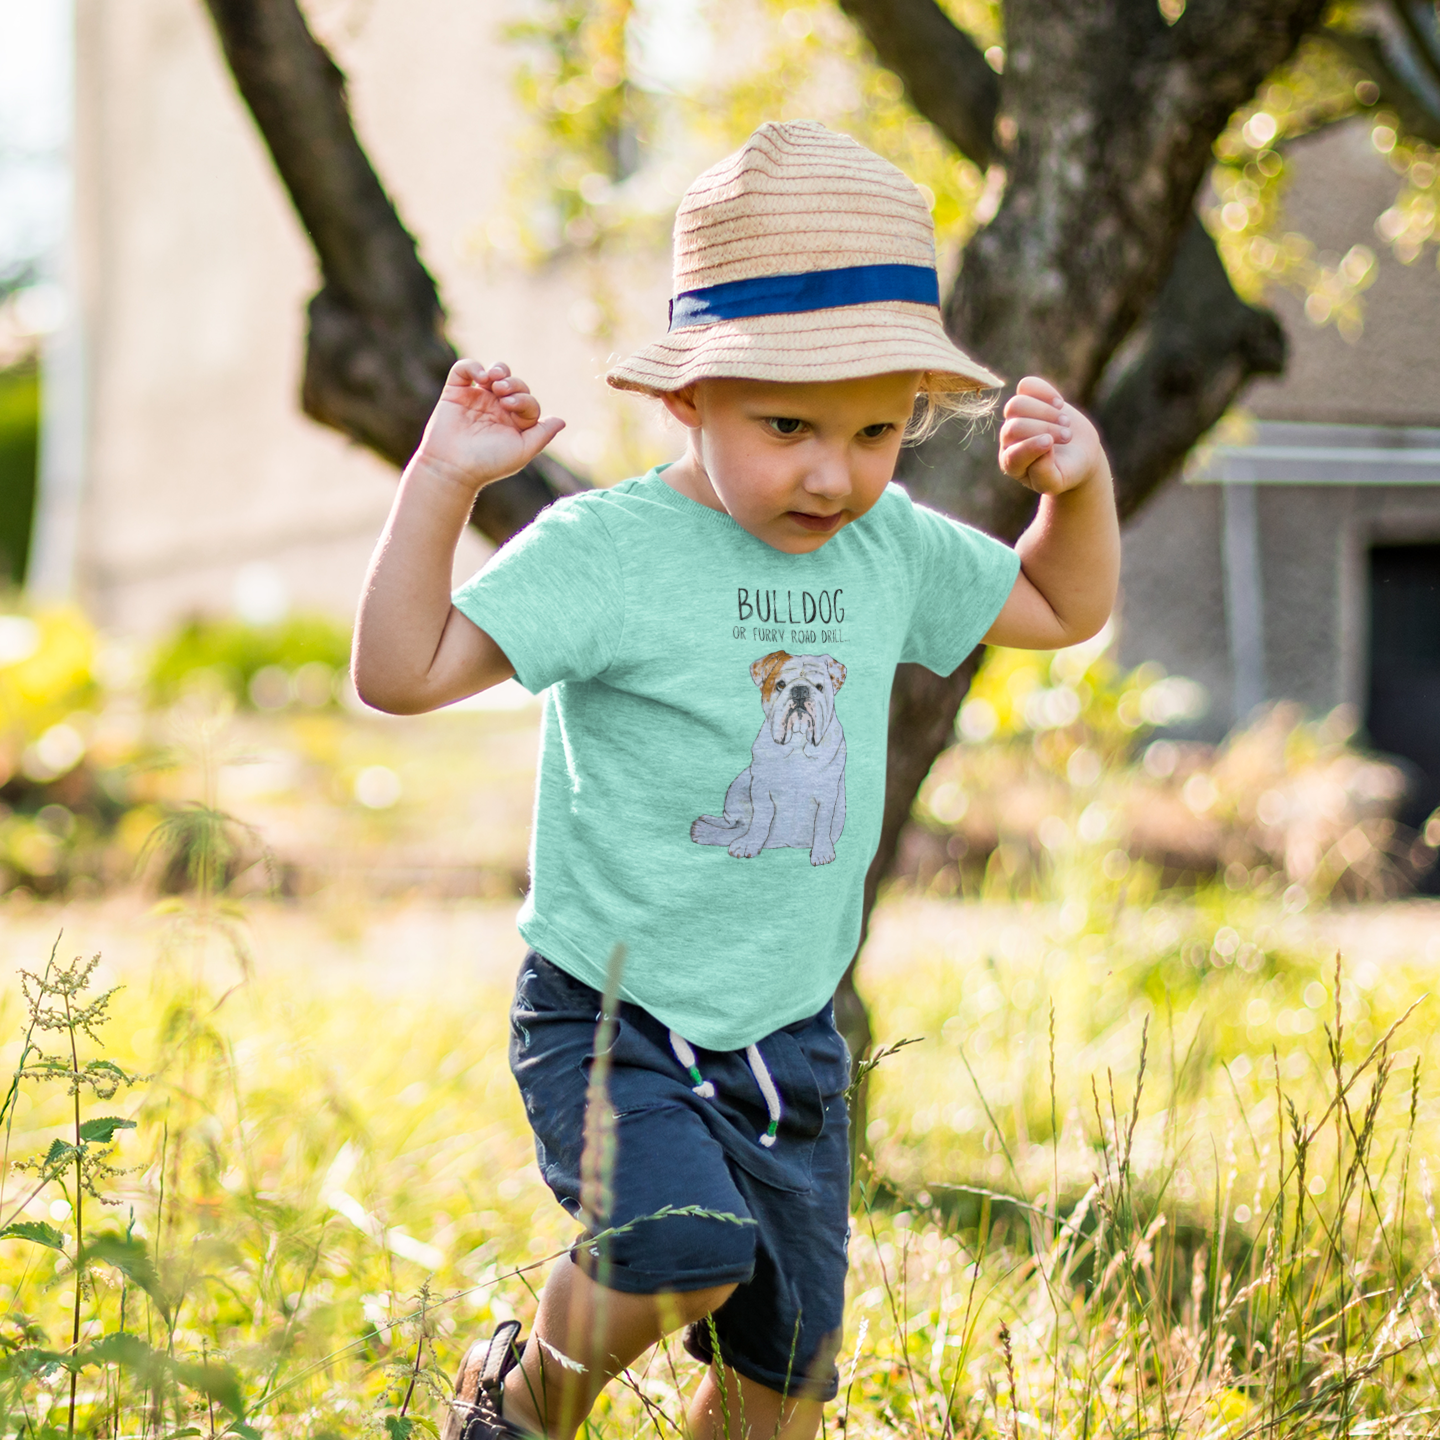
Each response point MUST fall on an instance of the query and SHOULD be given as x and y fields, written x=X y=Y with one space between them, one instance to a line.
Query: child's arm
x=1070 y=554
x=413 y=650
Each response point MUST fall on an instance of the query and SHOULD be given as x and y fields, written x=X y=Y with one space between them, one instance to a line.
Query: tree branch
x=1199 y=347
x=1421 y=21
x=946 y=78
x=1376 y=54
x=376 y=355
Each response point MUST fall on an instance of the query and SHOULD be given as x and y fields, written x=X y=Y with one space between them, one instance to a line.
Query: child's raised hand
x=1046 y=444
x=487 y=425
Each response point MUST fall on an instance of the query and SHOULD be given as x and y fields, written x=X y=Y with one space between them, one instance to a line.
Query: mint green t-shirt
x=712 y=762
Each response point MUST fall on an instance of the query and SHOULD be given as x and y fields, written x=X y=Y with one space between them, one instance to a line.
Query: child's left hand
x=1046 y=444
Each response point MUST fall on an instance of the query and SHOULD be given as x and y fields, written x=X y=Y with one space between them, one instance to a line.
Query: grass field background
x=1156 y=1162
x=332 y=1125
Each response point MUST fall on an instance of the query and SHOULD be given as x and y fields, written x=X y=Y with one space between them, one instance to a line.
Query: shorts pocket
x=641 y=1075
x=802 y=1099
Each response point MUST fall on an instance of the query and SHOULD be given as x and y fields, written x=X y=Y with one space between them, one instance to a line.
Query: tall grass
x=1173 y=1243
x=1130 y=1181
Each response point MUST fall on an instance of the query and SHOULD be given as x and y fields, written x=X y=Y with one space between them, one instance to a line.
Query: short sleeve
x=552 y=598
x=962 y=579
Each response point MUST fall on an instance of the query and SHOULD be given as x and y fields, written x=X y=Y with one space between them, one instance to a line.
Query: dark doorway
x=1404 y=702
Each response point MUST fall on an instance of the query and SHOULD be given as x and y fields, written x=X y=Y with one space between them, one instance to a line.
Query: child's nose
x=829 y=476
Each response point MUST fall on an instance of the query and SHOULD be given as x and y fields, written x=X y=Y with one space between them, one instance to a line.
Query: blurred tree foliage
x=19 y=452
x=1326 y=83
x=295 y=659
x=590 y=109
x=604 y=123
x=589 y=115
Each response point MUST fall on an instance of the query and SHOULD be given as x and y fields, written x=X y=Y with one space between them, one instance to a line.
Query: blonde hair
x=934 y=408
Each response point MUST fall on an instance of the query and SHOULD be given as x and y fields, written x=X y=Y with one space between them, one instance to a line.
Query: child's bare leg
x=753 y=1411
x=603 y=1330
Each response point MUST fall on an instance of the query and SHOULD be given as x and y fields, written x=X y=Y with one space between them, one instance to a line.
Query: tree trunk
x=376 y=355
x=1114 y=115
x=1109 y=116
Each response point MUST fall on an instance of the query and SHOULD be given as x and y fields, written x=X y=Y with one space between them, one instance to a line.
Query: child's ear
x=681 y=404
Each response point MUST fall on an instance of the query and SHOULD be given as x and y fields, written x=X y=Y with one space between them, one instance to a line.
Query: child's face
x=793 y=464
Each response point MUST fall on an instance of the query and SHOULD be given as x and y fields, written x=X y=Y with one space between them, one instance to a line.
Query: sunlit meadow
x=1145 y=1151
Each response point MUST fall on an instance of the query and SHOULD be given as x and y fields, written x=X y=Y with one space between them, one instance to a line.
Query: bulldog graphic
x=792 y=793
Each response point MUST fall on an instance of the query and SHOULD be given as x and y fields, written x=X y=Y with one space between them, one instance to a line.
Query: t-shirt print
x=792 y=793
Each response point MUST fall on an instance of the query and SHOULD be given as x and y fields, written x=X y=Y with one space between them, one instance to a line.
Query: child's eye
x=874 y=432
x=784 y=424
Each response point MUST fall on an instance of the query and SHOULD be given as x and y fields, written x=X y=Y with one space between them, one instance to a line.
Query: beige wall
x=194 y=277
x=1388 y=376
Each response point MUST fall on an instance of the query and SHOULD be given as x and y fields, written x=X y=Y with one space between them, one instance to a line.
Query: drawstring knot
x=761 y=1073
x=685 y=1054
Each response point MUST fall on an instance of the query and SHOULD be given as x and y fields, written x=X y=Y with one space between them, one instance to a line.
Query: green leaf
x=27 y=1362
x=121 y=1348
x=125 y=1349
x=47 y=1067
x=214 y=1379
x=188 y=1430
x=217 y=1381
x=103 y=1067
x=132 y=1259
x=36 y=1231
x=425 y=1423
x=103 y=1128
x=244 y=1431
x=59 y=1155
x=398 y=1427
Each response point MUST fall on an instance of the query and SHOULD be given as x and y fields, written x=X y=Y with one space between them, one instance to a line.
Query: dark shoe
x=475 y=1410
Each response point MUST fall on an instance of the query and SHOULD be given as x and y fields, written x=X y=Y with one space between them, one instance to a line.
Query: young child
x=716 y=643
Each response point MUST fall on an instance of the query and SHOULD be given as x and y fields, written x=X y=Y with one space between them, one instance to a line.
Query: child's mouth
x=820 y=524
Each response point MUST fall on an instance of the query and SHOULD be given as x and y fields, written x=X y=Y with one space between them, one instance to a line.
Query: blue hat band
x=813 y=290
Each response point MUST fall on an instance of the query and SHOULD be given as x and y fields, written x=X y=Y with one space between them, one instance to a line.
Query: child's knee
x=689 y=1307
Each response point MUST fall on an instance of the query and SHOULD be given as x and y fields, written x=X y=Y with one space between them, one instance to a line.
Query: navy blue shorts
x=782 y=1325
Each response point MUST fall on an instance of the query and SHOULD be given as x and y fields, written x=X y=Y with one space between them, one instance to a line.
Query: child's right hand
x=487 y=425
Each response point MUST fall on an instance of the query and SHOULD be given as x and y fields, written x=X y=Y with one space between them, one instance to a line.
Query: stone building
x=1303 y=561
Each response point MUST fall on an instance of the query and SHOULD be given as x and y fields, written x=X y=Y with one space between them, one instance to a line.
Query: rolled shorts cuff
x=698 y=1346
x=632 y=1280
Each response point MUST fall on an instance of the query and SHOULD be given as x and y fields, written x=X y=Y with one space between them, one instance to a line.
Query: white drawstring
x=685 y=1054
x=767 y=1088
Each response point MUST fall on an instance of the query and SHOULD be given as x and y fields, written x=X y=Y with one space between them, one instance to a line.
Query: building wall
x=1172 y=604
x=194 y=278
x=1313 y=538
x=1388 y=375
x=1313 y=544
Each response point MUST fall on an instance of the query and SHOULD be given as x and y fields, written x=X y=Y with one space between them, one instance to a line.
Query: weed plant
x=1059 y=766
x=1134 y=1179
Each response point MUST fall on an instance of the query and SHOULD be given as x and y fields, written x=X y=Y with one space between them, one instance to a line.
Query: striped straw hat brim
x=802 y=257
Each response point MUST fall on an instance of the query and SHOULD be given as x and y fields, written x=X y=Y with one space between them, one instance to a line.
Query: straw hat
x=803 y=256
